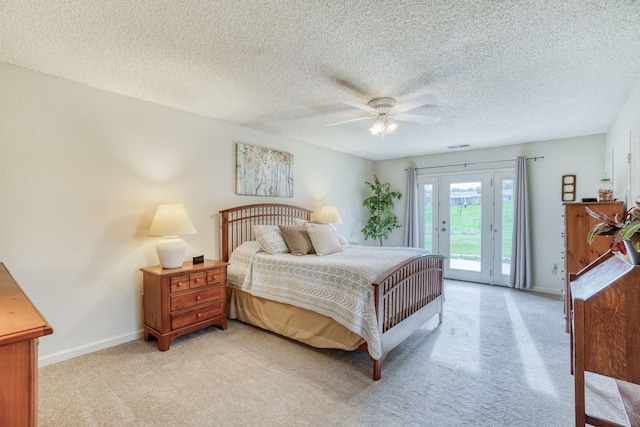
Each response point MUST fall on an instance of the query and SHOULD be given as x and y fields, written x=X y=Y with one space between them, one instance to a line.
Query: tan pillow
x=323 y=238
x=297 y=239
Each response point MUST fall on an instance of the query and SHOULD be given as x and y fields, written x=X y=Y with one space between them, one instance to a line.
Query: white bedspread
x=336 y=285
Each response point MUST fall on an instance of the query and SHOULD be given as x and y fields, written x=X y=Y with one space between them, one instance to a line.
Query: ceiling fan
x=385 y=110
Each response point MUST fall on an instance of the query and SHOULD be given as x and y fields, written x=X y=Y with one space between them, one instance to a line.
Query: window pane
x=428 y=217
x=465 y=201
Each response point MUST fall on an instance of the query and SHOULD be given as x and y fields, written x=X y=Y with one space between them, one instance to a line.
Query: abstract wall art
x=262 y=171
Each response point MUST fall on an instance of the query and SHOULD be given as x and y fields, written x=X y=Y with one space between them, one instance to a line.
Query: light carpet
x=500 y=358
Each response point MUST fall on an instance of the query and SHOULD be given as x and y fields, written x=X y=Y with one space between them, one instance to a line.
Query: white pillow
x=270 y=239
x=323 y=238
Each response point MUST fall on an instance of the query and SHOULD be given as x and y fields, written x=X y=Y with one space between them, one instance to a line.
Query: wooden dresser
x=578 y=253
x=20 y=327
x=606 y=332
x=182 y=300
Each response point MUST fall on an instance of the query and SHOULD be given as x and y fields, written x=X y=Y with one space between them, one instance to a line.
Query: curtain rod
x=535 y=159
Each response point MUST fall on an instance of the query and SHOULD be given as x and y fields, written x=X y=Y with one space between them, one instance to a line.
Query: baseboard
x=548 y=291
x=88 y=348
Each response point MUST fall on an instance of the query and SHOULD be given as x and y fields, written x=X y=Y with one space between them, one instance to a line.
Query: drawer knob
x=199 y=314
x=198 y=298
x=197 y=280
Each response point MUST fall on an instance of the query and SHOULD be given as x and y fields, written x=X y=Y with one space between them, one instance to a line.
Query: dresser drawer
x=193 y=298
x=196 y=315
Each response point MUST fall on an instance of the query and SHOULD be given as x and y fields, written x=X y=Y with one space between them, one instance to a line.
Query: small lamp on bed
x=170 y=222
x=329 y=215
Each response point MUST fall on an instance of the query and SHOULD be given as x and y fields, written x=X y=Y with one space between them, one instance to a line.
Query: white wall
x=581 y=156
x=81 y=174
x=618 y=143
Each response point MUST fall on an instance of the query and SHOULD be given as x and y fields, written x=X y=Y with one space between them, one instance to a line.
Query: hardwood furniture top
x=187 y=268
x=592 y=203
x=19 y=318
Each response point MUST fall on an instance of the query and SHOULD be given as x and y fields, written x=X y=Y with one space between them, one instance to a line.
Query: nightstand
x=182 y=300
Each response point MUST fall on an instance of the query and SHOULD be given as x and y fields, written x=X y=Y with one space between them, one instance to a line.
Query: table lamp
x=329 y=215
x=171 y=220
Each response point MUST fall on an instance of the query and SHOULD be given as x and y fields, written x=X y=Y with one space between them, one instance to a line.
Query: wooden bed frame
x=406 y=296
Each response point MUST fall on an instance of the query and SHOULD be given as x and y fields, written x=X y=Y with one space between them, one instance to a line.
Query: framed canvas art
x=262 y=171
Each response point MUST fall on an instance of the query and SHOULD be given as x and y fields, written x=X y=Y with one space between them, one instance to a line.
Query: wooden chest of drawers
x=21 y=325
x=182 y=300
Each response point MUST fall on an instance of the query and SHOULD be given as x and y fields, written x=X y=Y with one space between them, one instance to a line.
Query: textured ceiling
x=504 y=72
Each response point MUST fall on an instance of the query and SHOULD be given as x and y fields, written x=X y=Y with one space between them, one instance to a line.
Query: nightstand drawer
x=179 y=283
x=190 y=299
x=214 y=276
x=197 y=280
x=196 y=315
x=191 y=281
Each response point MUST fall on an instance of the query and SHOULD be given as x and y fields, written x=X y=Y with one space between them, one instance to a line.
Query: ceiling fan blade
x=361 y=106
x=415 y=103
x=352 y=120
x=427 y=120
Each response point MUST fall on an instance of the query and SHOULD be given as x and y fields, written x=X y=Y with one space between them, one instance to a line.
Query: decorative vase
x=634 y=256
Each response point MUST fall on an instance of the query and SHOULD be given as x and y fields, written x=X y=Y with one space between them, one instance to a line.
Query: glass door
x=503 y=226
x=465 y=226
x=428 y=194
x=469 y=219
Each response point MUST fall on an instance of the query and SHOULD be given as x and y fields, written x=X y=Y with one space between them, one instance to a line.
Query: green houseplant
x=382 y=220
x=621 y=228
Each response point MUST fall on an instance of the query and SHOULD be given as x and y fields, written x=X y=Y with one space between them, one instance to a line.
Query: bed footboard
x=407 y=296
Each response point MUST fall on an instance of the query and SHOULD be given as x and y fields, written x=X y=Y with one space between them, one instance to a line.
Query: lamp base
x=171 y=250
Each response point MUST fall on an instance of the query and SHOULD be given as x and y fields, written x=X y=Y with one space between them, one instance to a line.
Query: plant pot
x=634 y=256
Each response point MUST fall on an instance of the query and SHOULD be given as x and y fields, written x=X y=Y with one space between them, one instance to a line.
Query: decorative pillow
x=270 y=239
x=341 y=239
x=297 y=239
x=323 y=238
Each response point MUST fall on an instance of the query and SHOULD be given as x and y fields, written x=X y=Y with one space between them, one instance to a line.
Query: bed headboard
x=237 y=223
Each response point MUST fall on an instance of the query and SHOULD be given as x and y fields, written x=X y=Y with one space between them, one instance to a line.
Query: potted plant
x=624 y=230
x=382 y=220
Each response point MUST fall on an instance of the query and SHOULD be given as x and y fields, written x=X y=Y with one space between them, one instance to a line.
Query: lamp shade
x=170 y=221
x=329 y=214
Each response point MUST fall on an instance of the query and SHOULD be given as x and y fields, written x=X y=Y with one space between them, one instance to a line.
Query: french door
x=469 y=219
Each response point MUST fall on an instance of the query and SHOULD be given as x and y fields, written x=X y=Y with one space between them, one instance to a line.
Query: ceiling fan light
x=391 y=126
x=378 y=126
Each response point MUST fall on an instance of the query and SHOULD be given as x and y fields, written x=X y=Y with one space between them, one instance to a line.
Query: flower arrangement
x=620 y=228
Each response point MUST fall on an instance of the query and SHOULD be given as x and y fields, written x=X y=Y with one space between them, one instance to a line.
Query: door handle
x=443 y=229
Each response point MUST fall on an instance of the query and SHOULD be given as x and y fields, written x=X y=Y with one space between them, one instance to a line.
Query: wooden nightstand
x=182 y=300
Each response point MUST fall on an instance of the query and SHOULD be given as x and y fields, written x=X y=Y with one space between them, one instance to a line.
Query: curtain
x=411 y=217
x=520 y=275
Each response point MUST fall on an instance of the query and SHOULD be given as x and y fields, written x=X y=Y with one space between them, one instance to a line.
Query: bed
x=397 y=302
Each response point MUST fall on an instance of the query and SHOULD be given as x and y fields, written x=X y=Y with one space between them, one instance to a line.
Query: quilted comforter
x=336 y=285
